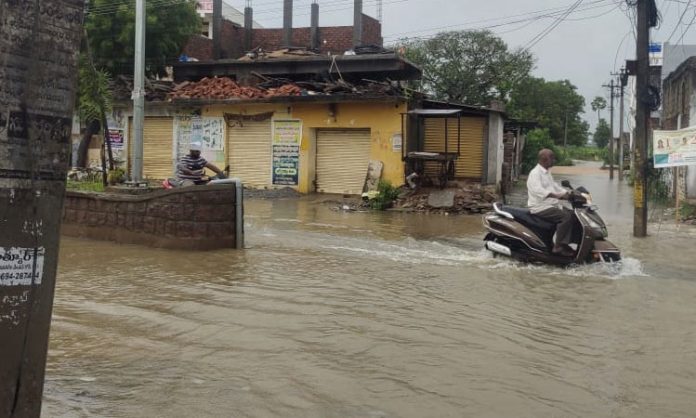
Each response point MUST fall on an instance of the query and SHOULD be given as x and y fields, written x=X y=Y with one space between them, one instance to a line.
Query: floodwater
x=335 y=314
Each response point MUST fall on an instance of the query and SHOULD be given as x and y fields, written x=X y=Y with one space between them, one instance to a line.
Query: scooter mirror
x=566 y=183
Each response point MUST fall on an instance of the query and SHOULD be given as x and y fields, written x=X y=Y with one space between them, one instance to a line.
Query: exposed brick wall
x=232 y=45
x=196 y=218
x=372 y=31
x=333 y=39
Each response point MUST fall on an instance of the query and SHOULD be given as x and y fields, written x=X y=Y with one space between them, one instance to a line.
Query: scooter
x=517 y=233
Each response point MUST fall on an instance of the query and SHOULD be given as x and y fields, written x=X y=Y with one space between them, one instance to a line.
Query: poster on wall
x=287 y=139
x=208 y=131
x=674 y=148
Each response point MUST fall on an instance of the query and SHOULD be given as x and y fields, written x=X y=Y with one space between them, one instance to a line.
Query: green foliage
x=90 y=185
x=111 y=33
x=472 y=67
x=550 y=104
x=116 y=176
x=537 y=140
x=602 y=134
x=94 y=95
x=687 y=211
x=586 y=153
x=598 y=104
x=386 y=196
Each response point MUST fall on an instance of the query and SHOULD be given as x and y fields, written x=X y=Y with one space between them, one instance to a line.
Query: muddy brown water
x=332 y=314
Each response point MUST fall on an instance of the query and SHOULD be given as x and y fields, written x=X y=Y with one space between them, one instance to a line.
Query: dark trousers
x=563 y=218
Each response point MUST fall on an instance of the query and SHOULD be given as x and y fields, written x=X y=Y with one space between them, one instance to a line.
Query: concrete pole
x=38 y=60
x=621 y=133
x=248 y=28
x=611 y=127
x=139 y=92
x=315 y=43
x=217 y=29
x=640 y=197
x=287 y=23
x=357 y=23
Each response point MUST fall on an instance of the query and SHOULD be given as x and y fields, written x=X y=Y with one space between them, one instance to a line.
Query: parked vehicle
x=517 y=233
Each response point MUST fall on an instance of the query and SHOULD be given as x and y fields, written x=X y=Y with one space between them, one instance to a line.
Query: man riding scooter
x=191 y=167
x=546 y=202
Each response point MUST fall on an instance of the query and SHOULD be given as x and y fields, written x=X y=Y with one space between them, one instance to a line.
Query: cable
x=514 y=22
x=680 y=21
x=693 y=19
x=551 y=27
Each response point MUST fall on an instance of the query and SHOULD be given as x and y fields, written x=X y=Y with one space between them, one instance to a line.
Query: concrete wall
x=496 y=148
x=193 y=218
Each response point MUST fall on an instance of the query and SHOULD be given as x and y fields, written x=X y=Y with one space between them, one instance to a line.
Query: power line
x=681 y=18
x=553 y=26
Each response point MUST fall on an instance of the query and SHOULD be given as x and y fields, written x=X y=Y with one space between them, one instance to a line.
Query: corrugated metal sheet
x=249 y=148
x=342 y=160
x=157 y=147
x=473 y=129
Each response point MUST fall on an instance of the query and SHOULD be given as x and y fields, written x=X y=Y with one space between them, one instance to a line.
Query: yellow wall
x=383 y=119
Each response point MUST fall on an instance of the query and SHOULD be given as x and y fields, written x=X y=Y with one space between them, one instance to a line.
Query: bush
x=386 y=195
x=85 y=186
x=537 y=140
x=587 y=153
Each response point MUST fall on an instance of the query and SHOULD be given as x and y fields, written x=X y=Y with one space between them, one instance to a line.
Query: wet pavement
x=344 y=314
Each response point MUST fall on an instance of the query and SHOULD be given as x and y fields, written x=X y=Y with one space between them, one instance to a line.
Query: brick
x=184 y=229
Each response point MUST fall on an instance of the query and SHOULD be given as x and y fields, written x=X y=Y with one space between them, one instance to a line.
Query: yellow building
x=335 y=140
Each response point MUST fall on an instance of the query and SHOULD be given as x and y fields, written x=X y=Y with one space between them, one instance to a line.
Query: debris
x=441 y=198
x=465 y=198
x=222 y=88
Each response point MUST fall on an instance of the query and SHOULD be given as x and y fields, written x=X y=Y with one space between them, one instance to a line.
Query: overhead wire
x=544 y=33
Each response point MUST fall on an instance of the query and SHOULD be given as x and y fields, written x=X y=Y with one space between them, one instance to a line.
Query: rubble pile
x=155 y=90
x=468 y=198
x=222 y=88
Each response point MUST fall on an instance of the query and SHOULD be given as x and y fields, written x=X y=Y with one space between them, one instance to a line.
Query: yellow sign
x=287 y=132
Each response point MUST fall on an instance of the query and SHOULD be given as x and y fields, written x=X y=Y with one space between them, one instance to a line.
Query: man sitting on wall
x=191 y=167
x=545 y=197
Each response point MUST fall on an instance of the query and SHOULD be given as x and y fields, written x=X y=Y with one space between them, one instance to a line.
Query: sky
x=585 y=47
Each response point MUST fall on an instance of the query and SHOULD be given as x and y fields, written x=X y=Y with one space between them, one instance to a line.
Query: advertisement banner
x=674 y=148
x=287 y=139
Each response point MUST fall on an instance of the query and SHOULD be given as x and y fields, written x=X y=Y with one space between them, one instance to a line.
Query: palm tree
x=598 y=104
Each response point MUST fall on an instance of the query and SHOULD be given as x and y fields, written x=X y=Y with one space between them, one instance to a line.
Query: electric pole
x=139 y=92
x=640 y=199
x=38 y=66
x=623 y=81
x=611 y=88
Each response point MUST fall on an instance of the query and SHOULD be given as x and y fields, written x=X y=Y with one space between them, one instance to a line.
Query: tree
x=550 y=104
x=472 y=67
x=602 y=134
x=598 y=104
x=110 y=27
x=93 y=102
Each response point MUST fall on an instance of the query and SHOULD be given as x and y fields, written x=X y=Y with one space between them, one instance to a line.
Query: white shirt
x=540 y=184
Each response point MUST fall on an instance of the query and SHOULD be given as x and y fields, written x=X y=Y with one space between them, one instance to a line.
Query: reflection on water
x=331 y=314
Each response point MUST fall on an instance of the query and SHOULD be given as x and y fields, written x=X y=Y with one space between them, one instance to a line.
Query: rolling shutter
x=342 y=160
x=470 y=162
x=249 y=148
x=157 y=148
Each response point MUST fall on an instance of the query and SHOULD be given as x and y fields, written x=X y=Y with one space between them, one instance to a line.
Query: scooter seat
x=526 y=218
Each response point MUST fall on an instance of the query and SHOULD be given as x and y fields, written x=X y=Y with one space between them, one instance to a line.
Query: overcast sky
x=584 y=48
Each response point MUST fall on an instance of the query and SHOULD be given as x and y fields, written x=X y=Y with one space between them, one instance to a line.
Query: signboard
x=209 y=131
x=656 y=54
x=674 y=148
x=205 y=6
x=117 y=141
x=287 y=139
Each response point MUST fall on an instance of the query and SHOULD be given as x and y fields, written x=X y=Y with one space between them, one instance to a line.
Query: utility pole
x=611 y=87
x=623 y=81
x=565 y=131
x=640 y=199
x=139 y=92
x=38 y=63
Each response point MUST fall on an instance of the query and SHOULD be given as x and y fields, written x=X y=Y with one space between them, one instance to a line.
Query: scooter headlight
x=600 y=230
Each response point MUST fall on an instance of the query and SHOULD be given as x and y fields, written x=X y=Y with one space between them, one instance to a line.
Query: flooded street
x=333 y=314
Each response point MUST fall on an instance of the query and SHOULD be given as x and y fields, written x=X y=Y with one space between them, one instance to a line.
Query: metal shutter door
x=249 y=148
x=157 y=147
x=473 y=129
x=342 y=160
